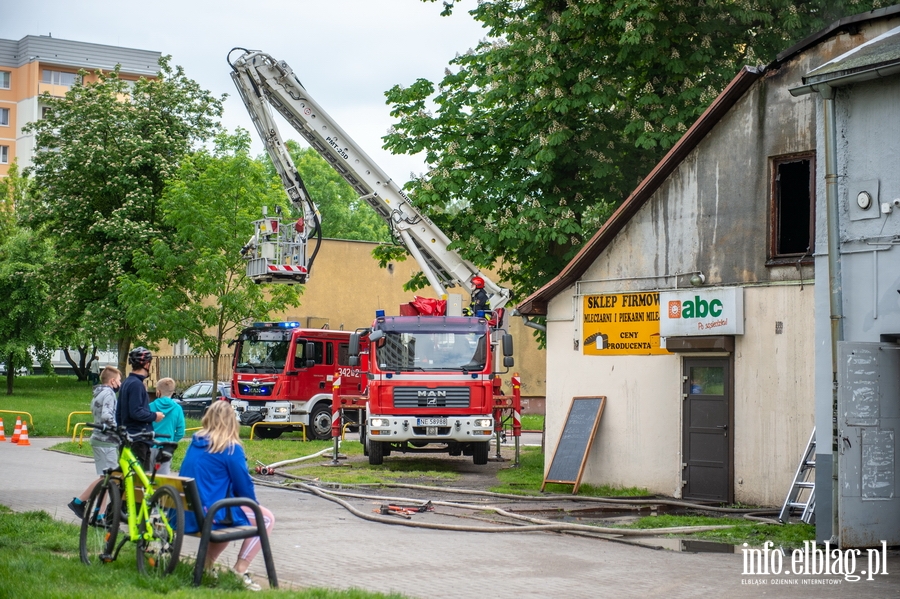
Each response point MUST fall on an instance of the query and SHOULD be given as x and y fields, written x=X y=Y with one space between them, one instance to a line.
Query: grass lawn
x=744 y=531
x=39 y=558
x=49 y=400
x=528 y=477
x=532 y=422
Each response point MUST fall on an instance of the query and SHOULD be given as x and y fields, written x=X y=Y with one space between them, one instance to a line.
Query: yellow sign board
x=620 y=324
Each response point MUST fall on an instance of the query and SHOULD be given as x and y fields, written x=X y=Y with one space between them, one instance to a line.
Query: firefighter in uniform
x=480 y=300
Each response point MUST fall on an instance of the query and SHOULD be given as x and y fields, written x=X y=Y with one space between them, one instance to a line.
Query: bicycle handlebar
x=122 y=433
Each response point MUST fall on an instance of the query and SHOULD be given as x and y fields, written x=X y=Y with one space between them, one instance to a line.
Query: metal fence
x=187 y=370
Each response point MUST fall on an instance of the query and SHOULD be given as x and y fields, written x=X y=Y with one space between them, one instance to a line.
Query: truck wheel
x=376 y=453
x=268 y=432
x=480 y=453
x=320 y=423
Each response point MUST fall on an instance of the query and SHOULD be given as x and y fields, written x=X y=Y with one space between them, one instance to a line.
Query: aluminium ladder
x=802 y=496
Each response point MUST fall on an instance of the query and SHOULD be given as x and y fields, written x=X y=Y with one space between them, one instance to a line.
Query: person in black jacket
x=480 y=299
x=133 y=410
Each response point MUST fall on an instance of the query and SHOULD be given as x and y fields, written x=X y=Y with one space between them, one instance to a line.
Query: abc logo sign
x=696 y=308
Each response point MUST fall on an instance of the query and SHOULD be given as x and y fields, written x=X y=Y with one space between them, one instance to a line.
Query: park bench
x=187 y=488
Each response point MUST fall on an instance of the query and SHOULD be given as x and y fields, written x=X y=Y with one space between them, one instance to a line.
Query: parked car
x=21 y=371
x=196 y=398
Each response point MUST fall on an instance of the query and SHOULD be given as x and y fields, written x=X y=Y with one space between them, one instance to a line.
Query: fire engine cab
x=283 y=375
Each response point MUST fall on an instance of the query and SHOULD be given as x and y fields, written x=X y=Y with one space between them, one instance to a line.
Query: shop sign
x=619 y=324
x=702 y=312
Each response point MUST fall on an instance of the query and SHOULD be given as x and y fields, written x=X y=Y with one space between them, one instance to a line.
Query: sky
x=346 y=53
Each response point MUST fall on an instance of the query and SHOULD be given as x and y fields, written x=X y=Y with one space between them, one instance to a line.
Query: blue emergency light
x=379 y=313
x=281 y=325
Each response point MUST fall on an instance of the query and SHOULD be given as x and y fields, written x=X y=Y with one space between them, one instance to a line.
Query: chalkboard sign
x=575 y=442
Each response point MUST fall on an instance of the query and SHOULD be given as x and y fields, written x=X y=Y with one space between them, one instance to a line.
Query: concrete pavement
x=318 y=543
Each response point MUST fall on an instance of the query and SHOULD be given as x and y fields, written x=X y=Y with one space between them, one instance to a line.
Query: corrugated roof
x=880 y=52
x=80 y=55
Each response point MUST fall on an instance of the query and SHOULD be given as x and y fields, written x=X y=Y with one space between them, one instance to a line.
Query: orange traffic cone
x=2 y=434
x=18 y=430
x=23 y=439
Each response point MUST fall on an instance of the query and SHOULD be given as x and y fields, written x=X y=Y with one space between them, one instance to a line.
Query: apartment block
x=37 y=64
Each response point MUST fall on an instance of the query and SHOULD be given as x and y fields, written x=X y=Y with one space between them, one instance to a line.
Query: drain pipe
x=530 y=324
x=835 y=293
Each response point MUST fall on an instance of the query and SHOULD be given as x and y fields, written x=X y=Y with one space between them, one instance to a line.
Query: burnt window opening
x=793 y=207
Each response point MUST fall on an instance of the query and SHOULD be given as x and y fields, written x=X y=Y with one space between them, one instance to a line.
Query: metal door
x=706 y=424
x=868 y=418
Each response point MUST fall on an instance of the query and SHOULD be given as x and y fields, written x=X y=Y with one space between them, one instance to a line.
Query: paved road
x=318 y=543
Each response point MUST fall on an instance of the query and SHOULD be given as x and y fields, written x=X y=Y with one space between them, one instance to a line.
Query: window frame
x=300 y=352
x=8 y=79
x=4 y=154
x=775 y=257
x=56 y=77
x=7 y=112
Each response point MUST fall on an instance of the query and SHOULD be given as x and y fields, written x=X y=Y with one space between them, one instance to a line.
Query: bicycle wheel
x=100 y=525
x=162 y=532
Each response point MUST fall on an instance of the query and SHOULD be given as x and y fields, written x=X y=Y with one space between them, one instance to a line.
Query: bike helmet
x=477 y=282
x=140 y=357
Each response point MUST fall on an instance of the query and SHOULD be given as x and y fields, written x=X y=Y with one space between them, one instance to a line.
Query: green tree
x=542 y=130
x=13 y=194
x=13 y=188
x=26 y=314
x=192 y=285
x=105 y=153
x=344 y=215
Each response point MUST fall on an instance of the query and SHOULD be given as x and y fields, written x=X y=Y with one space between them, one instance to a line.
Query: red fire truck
x=431 y=381
x=283 y=374
x=432 y=385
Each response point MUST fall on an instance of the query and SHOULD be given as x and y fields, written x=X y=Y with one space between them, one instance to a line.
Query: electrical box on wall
x=862 y=199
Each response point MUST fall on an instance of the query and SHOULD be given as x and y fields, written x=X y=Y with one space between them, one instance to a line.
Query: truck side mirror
x=310 y=354
x=508 y=361
x=353 y=360
x=353 y=349
x=507 y=347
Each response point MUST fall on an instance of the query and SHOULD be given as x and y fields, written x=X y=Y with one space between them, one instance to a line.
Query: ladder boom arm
x=264 y=84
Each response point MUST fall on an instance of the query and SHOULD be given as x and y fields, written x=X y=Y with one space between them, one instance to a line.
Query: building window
x=4 y=154
x=793 y=208
x=4 y=117
x=58 y=78
x=45 y=110
x=4 y=79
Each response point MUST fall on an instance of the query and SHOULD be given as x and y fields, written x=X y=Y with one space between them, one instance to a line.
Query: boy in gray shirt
x=105 y=445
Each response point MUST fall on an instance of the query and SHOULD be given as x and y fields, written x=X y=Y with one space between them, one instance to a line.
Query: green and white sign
x=701 y=312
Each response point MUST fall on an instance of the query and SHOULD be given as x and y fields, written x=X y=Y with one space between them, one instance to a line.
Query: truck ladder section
x=265 y=83
x=801 y=499
x=510 y=405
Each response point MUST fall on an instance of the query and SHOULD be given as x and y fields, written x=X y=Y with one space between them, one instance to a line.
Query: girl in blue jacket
x=216 y=460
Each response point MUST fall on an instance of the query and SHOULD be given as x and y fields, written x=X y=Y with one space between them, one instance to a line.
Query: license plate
x=432 y=421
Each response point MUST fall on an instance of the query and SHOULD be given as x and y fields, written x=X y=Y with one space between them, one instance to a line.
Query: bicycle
x=155 y=519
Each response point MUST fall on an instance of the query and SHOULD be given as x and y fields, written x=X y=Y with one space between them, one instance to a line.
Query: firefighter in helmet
x=480 y=300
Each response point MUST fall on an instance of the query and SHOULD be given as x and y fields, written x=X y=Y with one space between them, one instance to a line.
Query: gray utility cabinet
x=868 y=420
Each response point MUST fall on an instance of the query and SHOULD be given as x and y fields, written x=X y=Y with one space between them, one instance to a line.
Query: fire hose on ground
x=754 y=514
x=535 y=524
x=270 y=469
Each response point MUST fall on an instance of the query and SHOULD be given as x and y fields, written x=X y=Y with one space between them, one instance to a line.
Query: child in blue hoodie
x=171 y=427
